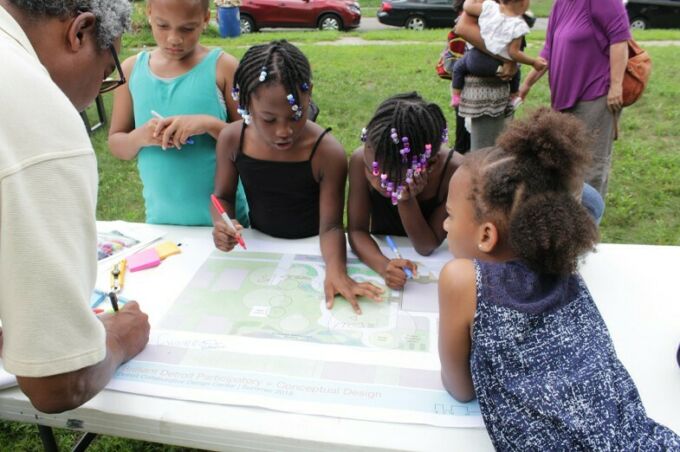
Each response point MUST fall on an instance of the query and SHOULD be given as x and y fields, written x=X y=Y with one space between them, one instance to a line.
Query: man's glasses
x=109 y=84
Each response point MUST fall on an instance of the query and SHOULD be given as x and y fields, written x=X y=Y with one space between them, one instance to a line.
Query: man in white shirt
x=55 y=55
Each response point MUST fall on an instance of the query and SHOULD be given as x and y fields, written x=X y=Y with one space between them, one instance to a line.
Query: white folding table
x=637 y=289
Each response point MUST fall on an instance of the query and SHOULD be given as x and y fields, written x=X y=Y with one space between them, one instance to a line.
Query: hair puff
x=548 y=143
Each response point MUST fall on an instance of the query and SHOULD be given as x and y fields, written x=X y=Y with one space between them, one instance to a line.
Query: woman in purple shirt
x=586 y=50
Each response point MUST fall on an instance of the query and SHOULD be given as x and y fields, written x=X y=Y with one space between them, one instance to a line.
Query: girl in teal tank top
x=170 y=114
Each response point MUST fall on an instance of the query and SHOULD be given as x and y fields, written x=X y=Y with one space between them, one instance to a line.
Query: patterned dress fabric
x=545 y=370
x=484 y=96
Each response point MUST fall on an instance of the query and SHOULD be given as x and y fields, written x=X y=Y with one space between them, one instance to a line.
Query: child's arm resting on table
x=358 y=214
x=226 y=182
x=333 y=174
x=457 y=304
x=516 y=54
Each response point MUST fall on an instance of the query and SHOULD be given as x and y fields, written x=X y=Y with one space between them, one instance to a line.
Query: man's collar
x=11 y=28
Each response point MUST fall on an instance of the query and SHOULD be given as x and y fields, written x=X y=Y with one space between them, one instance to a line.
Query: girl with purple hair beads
x=397 y=183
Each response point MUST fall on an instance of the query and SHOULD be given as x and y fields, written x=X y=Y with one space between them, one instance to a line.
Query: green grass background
x=350 y=81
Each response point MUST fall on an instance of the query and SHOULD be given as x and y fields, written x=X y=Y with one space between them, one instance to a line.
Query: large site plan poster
x=251 y=328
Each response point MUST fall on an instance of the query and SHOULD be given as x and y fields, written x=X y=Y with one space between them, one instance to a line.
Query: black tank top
x=385 y=219
x=283 y=196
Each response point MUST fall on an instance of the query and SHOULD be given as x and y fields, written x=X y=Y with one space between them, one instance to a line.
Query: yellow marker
x=121 y=278
x=115 y=273
x=118 y=276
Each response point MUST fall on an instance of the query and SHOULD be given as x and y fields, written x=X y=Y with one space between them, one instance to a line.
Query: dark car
x=322 y=14
x=417 y=14
x=653 y=13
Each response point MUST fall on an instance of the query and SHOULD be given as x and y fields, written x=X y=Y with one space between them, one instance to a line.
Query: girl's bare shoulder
x=358 y=153
x=128 y=64
x=356 y=164
x=329 y=147
x=226 y=67
x=457 y=285
x=229 y=139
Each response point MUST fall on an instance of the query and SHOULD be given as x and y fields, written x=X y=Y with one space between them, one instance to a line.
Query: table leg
x=84 y=442
x=47 y=438
x=50 y=444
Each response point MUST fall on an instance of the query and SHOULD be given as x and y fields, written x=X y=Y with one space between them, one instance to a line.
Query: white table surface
x=637 y=289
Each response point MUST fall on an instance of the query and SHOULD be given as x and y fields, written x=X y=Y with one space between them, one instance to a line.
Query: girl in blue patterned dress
x=518 y=327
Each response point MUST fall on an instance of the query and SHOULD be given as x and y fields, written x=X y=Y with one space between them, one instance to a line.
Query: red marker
x=227 y=220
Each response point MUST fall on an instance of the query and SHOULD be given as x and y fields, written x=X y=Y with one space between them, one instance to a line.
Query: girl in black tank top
x=293 y=171
x=284 y=195
x=398 y=183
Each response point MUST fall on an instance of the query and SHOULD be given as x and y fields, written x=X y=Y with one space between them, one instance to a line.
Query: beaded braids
x=276 y=62
x=405 y=133
x=525 y=186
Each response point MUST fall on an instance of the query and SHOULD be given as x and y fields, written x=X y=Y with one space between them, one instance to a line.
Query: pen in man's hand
x=114 y=301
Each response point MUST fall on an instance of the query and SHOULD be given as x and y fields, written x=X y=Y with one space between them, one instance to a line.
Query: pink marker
x=227 y=220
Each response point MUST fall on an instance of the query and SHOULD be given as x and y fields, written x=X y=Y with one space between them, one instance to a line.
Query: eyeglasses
x=109 y=84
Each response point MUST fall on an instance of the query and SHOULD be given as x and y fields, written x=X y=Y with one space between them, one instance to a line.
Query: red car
x=322 y=14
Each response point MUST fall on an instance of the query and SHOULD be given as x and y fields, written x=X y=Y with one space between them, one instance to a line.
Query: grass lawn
x=541 y=8
x=430 y=36
x=643 y=194
x=350 y=81
x=369 y=4
x=369 y=11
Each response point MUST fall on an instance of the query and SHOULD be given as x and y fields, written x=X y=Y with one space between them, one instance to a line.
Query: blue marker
x=395 y=250
x=158 y=116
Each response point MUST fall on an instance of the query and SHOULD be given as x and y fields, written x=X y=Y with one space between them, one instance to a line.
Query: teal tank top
x=178 y=183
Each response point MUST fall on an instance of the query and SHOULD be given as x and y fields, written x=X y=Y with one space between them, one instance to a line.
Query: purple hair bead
x=383 y=180
x=394 y=136
x=409 y=176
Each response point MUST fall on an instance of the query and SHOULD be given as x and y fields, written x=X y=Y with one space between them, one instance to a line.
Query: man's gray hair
x=113 y=16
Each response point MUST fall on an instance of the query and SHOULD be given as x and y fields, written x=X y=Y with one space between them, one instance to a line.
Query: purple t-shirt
x=577 y=48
